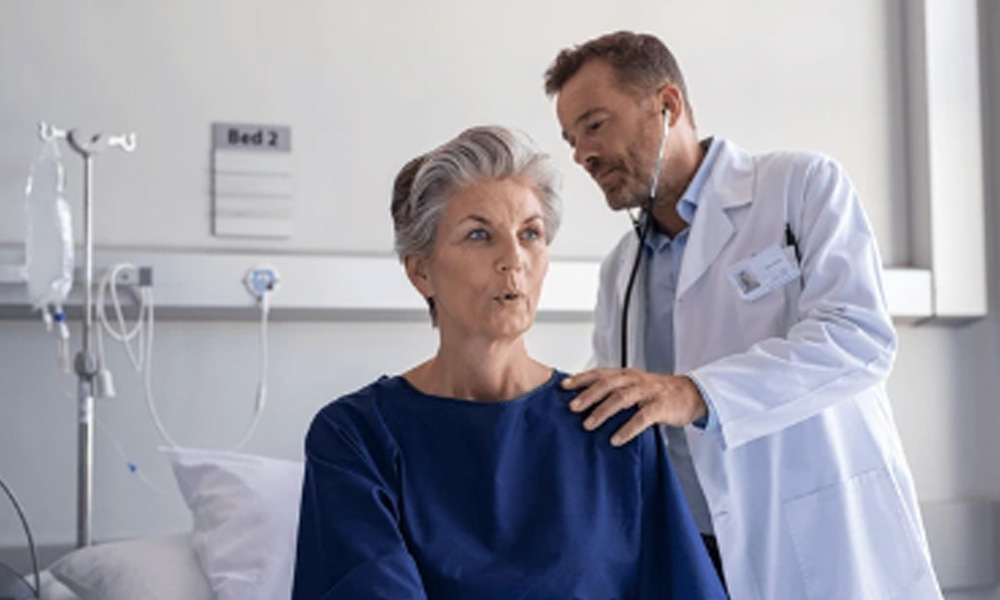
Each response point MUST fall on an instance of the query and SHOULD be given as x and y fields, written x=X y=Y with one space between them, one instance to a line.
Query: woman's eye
x=478 y=234
x=532 y=234
x=596 y=125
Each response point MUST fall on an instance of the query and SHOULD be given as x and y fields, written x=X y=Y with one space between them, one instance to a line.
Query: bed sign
x=236 y=136
x=252 y=181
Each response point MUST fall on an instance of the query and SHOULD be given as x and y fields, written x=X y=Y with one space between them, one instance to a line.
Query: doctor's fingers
x=616 y=402
x=599 y=383
x=640 y=421
x=587 y=378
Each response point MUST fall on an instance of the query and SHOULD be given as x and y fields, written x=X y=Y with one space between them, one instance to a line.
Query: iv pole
x=85 y=363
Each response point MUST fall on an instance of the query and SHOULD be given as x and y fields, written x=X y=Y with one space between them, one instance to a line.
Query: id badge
x=763 y=272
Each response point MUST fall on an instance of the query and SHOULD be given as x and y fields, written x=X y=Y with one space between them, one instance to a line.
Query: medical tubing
x=631 y=284
x=31 y=540
x=142 y=360
x=131 y=466
x=261 y=399
x=123 y=334
x=148 y=380
x=100 y=347
x=62 y=340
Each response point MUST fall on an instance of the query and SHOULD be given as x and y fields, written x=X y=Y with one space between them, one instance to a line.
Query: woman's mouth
x=508 y=297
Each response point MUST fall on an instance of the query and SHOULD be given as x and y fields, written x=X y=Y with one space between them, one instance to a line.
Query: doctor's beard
x=628 y=193
x=626 y=180
x=621 y=188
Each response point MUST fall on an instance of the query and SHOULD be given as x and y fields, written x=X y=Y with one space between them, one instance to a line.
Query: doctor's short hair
x=641 y=62
x=485 y=153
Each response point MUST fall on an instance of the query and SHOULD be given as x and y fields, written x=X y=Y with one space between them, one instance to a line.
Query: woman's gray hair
x=425 y=183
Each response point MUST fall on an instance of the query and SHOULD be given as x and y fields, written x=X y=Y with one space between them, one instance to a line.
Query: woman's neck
x=483 y=371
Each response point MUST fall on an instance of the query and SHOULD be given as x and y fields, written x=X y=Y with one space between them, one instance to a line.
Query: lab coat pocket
x=853 y=540
x=763 y=318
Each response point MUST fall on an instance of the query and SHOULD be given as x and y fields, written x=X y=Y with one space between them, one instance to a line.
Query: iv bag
x=49 y=234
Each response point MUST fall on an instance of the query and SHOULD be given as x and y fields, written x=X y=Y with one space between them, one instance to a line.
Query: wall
x=944 y=385
x=364 y=86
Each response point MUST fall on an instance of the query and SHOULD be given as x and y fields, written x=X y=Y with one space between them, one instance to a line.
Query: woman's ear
x=417 y=269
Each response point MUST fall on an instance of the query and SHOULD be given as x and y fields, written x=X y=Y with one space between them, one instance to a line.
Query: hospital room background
x=903 y=92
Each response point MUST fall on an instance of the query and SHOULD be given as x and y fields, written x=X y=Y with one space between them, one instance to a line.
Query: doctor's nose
x=592 y=164
x=585 y=156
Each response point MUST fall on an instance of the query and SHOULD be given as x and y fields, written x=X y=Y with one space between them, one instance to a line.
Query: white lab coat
x=806 y=482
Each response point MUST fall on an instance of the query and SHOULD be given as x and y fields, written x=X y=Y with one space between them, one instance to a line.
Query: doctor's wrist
x=707 y=419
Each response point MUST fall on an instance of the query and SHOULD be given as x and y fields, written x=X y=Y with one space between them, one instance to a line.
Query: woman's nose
x=511 y=257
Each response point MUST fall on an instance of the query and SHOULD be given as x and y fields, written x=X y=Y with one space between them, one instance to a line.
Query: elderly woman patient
x=468 y=477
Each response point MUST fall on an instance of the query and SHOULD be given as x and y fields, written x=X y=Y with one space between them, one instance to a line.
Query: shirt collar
x=688 y=202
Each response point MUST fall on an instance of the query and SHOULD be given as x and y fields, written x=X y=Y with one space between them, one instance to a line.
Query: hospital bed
x=242 y=546
x=245 y=515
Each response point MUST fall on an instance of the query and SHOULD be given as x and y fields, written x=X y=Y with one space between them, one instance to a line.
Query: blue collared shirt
x=664 y=255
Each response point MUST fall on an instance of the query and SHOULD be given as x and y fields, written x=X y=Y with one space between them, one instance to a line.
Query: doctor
x=757 y=334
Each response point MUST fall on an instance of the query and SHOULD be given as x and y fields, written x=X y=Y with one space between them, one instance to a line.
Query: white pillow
x=246 y=513
x=153 y=568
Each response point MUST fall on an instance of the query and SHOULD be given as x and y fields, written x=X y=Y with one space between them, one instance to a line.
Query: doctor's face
x=489 y=259
x=615 y=134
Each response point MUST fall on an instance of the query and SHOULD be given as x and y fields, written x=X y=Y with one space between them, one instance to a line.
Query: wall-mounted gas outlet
x=139 y=276
x=262 y=279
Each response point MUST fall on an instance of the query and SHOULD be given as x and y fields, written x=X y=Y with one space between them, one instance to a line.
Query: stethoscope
x=642 y=230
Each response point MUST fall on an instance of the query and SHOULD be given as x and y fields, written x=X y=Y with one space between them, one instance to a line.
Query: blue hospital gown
x=411 y=496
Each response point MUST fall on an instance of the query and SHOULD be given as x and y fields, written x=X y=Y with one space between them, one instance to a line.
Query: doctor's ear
x=667 y=115
x=671 y=101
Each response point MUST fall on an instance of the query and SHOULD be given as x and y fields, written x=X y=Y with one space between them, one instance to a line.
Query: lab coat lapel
x=730 y=184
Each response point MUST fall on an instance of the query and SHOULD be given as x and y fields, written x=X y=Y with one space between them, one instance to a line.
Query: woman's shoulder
x=357 y=413
x=553 y=388
x=366 y=396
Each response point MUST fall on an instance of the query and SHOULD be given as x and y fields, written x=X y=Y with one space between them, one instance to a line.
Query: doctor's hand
x=668 y=399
